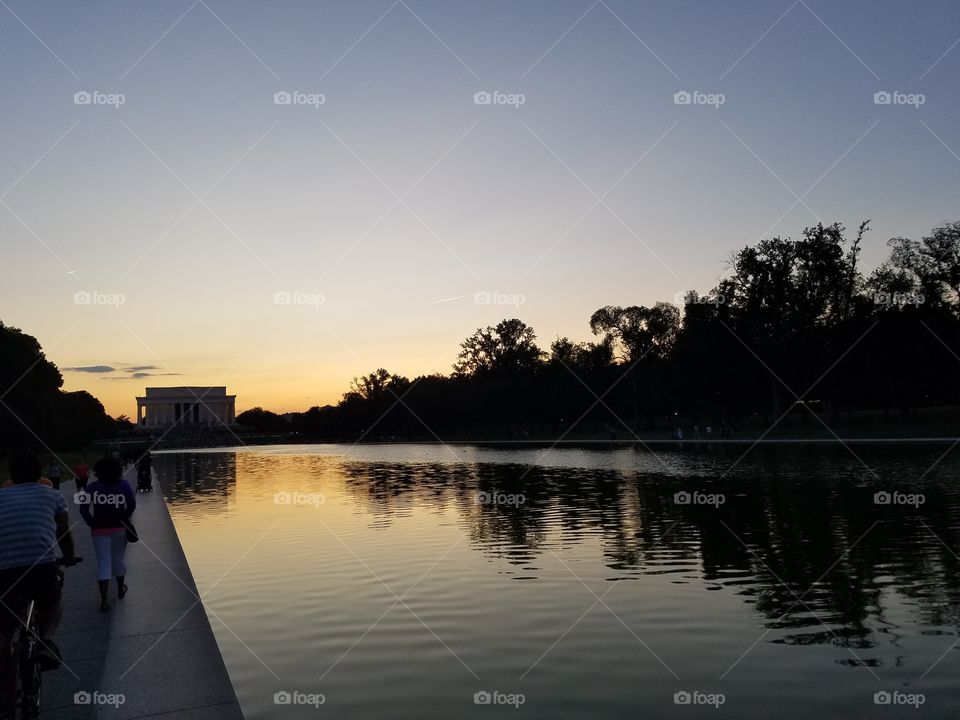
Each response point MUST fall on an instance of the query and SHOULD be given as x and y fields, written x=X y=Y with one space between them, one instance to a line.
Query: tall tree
x=930 y=267
x=509 y=347
x=34 y=412
x=644 y=338
x=378 y=384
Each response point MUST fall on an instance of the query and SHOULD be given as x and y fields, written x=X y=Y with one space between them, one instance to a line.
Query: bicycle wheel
x=9 y=709
x=30 y=676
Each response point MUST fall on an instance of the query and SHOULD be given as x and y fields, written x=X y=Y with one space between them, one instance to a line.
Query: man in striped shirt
x=33 y=521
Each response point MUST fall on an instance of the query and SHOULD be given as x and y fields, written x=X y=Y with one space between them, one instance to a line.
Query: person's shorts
x=42 y=583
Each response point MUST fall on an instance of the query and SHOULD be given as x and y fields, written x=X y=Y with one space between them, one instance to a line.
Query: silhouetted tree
x=645 y=338
x=263 y=420
x=34 y=412
x=792 y=319
x=930 y=267
x=509 y=347
x=377 y=385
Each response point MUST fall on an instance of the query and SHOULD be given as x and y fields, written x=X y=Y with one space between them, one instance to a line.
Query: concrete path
x=155 y=648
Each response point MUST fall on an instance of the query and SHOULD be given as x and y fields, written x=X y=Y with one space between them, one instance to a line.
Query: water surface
x=400 y=580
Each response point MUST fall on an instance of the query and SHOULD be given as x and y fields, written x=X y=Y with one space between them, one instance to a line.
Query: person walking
x=81 y=473
x=53 y=473
x=106 y=506
x=145 y=473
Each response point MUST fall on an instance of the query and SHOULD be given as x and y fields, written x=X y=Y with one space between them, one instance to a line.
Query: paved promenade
x=155 y=647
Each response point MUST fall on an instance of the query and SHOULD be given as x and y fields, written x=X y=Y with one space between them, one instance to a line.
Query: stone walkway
x=155 y=648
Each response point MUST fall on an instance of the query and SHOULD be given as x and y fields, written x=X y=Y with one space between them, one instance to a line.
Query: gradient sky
x=199 y=199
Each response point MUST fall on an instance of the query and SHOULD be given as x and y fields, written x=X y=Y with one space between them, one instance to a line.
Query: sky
x=278 y=197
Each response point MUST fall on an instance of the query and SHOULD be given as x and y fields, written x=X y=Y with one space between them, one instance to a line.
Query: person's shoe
x=121 y=591
x=48 y=656
x=104 y=606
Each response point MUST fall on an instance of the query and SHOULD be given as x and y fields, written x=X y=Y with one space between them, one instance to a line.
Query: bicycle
x=25 y=653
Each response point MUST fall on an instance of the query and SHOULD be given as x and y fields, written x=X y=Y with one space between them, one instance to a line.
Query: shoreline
x=537 y=443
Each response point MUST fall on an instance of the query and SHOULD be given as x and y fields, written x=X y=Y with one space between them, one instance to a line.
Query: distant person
x=54 y=472
x=145 y=473
x=33 y=521
x=106 y=505
x=709 y=431
x=81 y=473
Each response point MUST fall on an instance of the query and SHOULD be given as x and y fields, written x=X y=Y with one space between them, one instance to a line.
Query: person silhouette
x=106 y=506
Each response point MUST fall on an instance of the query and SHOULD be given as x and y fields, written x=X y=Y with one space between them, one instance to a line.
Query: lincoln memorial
x=164 y=406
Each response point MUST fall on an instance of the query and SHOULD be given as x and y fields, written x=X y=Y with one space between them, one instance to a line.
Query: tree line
x=35 y=413
x=795 y=325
